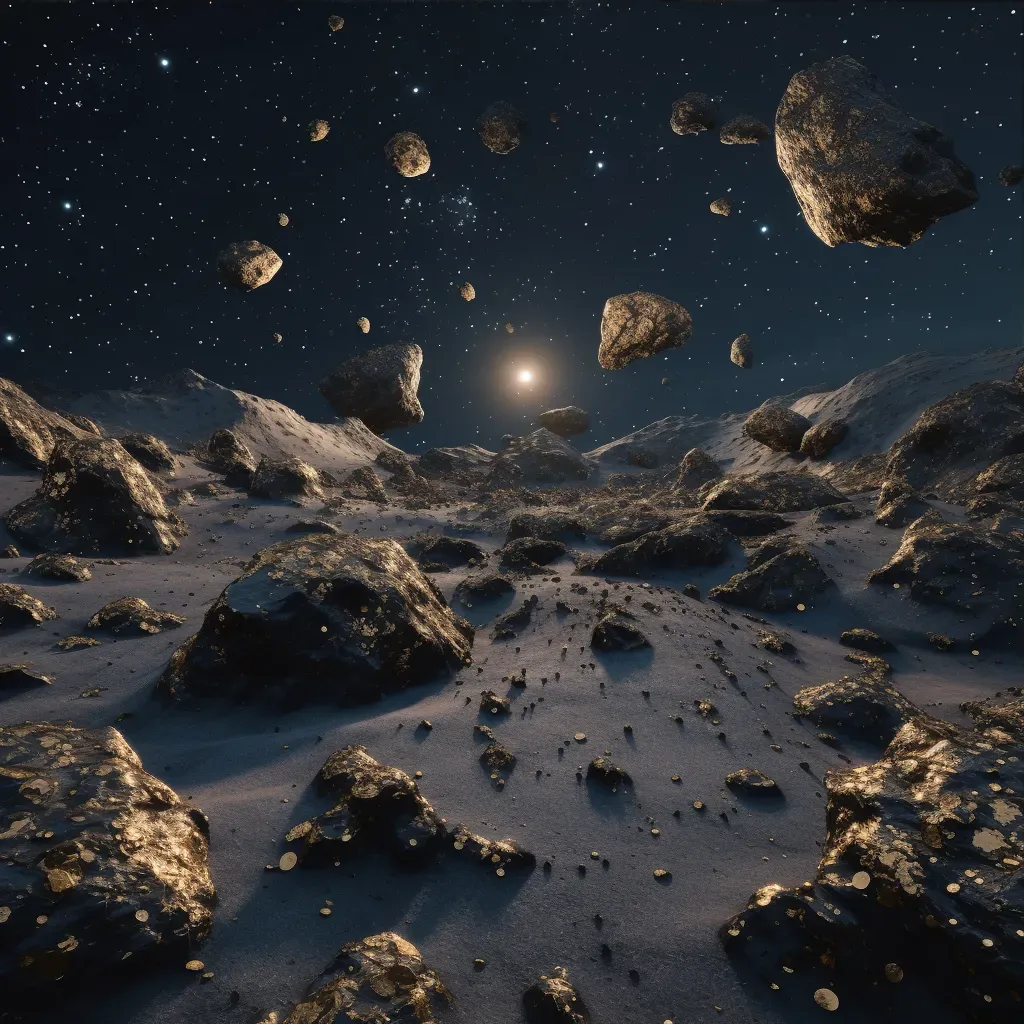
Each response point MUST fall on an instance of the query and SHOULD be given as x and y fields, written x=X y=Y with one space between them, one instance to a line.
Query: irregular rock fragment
x=407 y=153
x=616 y=631
x=492 y=704
x=330 y=618
x=772 y=641
x=461 y=461
x=498 y=759
x=607 y=772
x=509 y=329
x=744 y=130
x=752 y=782
x=248 y=265
x=693 y=114
x=1011 y=174
x=840 y=513
x=278 y=337
x=637 y=455
x=102 y=861
x=861 y=169
x=379 y=386
x=28 y=432
x=134 y=617
x=526 y=552
x=467 y=291
x=865 y=640
x=566 y=421
x=363 y=323
x=227 y=453
x=1005 y=476
x=776 y=427
x=96 y=499
x=73 y=643
x=318 y=130
x=819 y=441
x=547 y=524
x=639 y=325
x=779 y=584
x=10 y=552
x=771 y=492
x=722 y=206
x=741 y=352
x=66 y=568
x=540 y=457
x=501 y=127
x=363 y=484
x=285 y=478
x=449 y=552
x=335 y=22
x=697 y=541
x=148 y=450
x=483 y=587
x=16 y=677
x=283 y=220
x=696 y=469
x=552 y=1000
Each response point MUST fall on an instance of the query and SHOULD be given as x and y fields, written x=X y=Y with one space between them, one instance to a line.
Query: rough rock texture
x=696 y=469
x=693 y=114
x=526 y=552
x=865 y=640
x=697 y=541
x=744 y=130
x=449 y=552
x=639 y=325
x=28 y=432
x=607 y=773
x=379 y=386
x=551 y=999
x=285 y=478
x=318 y=130
x=972 y=571
x=722 y=206
x=96 y=499
x=819 y=441
x=335 y=22
x=540 y=457
x=407 y=153
x=377 y=979
x=1005 y=476
x=772 y=492
x=741 y=352
x=467 y=291
x=19 y=608
x=332 y=618
x=148 y=450
x=363 y=323
x=920 y=876
x=501 y=127
x=861 y=169
x=566 y=421
x=483 y=587
x=637 y=455
x=132 y=616
x=363 y=484
x=227 y=453
x=752 y=782
x=899 y=505
x=778 y=584
x=247 y=265
x=547 y=524
x=102 y=861
x=843 y=512
x=616 y=631
x=14 y=677
x=959 y=436
x=58 y=567
x=465 y=459
x=776 y=427
x=1011 y=174
x=84 y=423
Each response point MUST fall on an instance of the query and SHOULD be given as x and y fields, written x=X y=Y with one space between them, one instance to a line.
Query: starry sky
x=141 y=139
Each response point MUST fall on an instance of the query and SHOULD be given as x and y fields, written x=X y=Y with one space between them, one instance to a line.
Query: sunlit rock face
x=639 y=325
x=28 y=432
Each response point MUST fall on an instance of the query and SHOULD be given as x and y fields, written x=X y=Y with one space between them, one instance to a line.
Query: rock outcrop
x=617 y=631
x=29 y=432
x=528 y=552
x=771 y=492
x=898 y=505
x=408 y=154
x=777 y=427
x=227 y=453
x=744 y=130
x=248 y=265
x=131 y=616
x=379 y=386
x=540 y=457
x=461 y=461
x=640 y=325
x=330 y=618
x=103 y=864
x=819 y=441
x=150 y=451
x=693 y=114
x=548 y=524
x=96 y=499
x=566 y=421
x=18 y=608
x=65 y=568
x=285 y=478
x=483 y=587
x=446 y=552
x=775 y=580
x=696 y=469
x=696 y=541
x=551 y=999
x=861 y=169
x=501 y=127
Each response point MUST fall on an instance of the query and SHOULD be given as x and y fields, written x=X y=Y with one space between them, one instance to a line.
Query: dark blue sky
x=144 y=139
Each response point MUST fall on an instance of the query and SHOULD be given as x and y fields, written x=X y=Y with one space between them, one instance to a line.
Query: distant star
x=67 y=206
x=164 y=62
x=764 y=229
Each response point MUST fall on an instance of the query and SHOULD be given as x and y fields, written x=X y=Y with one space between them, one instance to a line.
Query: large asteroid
x=540 y=457
x=326 y=617
x=861 y=169
x=741 y=352
x=285 y=478
x=693 y=114
x=959 y=436
x=150 y=451
x=247 y=265
x=19 y=608
x=772 y=492
x=28 y=432
x=501 y=127
x=96 y=499
x=379 y=386
x=318 y=129
x=721 y=206
x=776 y=427
x=696 y=541
x=407 y=153
x=775 y=581
x=567 y=421
x=819 y=441
x=103 y=866
x=744 y=130
x=920 y=880
x=640 y=325
x=227 y=453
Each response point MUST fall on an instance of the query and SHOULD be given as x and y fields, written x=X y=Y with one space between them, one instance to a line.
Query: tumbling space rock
x=407 y=153
x=741 y=352
x=566 y=421
x=330 y=618
x=819 y=441
x=616 y=632
x=103 y=864
x=318 y=130
x=744 y=130
x=551 y=999
x=467 y=291
x=66 y=568
x=722 y=206
x=639 y=325
x=379 y=386
x=696 y=469
x=285 y=478
x=693 y=114
x=363 y=323
x=227 y=453
x=19 y=608
x=133 y=617
x=96 y=499
x=501 y=127
x=247 y=265
x=28 y=432
x=771 y=492
x=697 y=541
x=335 y=22
x=540 y=457
x=148 y=450
x=914 y=842
x=283 y=220
x=861 y=169
x=379 y=978
x=776 y=427
x=1011 y=174
x=777 y=584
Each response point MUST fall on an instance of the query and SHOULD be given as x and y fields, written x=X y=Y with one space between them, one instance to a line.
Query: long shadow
x=605 y=802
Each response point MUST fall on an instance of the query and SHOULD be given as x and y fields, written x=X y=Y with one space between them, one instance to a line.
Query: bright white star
x=525 y=376
x=67 y=206
x=8 y=338
x=599 y=165
x=164 y=62
x=764 y=229
x=415 y=88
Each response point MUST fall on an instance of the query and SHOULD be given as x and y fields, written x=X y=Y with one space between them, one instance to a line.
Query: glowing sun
x=525 y=376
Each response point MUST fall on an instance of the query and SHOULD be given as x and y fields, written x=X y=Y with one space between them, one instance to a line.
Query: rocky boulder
x=28 y=432
x=528 y=552
x=446 y=552
x=227 y=453
x=741 y=352
x=65 y=568
x=501 y=127
x=776 y=427
x=461 y=461
x=551 y=999
x=329 y=618
x=861 y=169
x=693 y=114
x=744 y=130
x=540 y=457
x=722 y=206
x=617 y=631
x=483 y=587
x=148 y=450
x=96 y=499
x=104 y=865
x=379 y=386
x=696 y=469
x=18 y=608
x=408 y=154
x=248 y=265
x=131 y=616
x=640 y=325
x=1011 y=174
x=696 y=541
x=899 y=504
x=819 y=441
x=865 y=640
x=285 y=478
x=363 y=484
x=772 y=492
x=780 y=583
x=566 y=421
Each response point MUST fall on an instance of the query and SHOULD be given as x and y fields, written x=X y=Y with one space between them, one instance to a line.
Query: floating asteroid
x=28 y=432
x=1011 y=174
x=551 y=999
x=501 y=127
x=722 y=206
x=616 y=631
x=776 y=427
x=363 y=323
x=467 y=291
x=379 y=386
x=861 y=169
x=227 y=453
x=283 y=220
x=247 y=265
x=819 y=441
x=278 y=337
x=134 y=617
x=331 y=618
x=744 y=130
x=65 y=568
x=149 y=450
x=775 y=581
x=509 y=329
x=752 y=782
x=96 y=499
x=285 y=478
x=771 y=492
x=407 y=153
x=104 y=865
x=318 y=130
x=566 y=421
x=639 y=325
x=693 y=114
x=335 y=22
